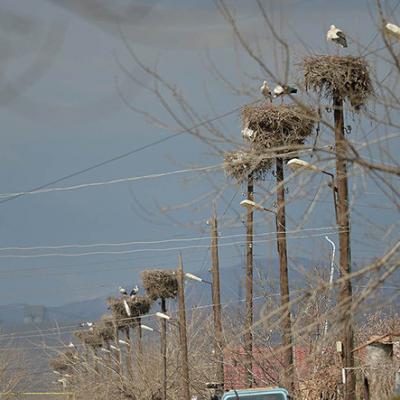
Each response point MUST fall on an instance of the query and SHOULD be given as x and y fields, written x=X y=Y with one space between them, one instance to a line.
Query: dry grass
x=240 y=164
x=63 y=362
x=347 y=76
x=160 y=284
x=138 y=305
x=105 y=328
x=284 y=127
x=89 y=338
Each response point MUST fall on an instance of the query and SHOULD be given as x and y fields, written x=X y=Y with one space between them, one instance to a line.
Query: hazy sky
x=61 y=112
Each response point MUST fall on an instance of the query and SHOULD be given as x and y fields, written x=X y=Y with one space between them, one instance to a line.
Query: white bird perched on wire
x=280 y=90
x=337 y=36
x=134 y=291
x=266 y=91
x=122 y=290
x=127 y=309
x=248 y=134
x=392 y=28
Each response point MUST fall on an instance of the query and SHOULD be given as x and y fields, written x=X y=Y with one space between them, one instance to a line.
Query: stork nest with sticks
x=280 y=129
x=240 y=164
x=105 y=329
x=160 y=283
x=63 y=361
x=89 y=338
x=345 y=76
x=138 y=305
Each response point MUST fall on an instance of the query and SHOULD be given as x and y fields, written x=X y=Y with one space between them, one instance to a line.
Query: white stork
x=122 y=290
x=266 y=91
x=134 y=291
x=337 y=36
x=281 y=90
x=248 y=134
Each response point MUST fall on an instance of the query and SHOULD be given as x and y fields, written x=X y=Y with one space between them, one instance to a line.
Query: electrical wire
x=189 y=239
x=111 y=182
x=126 y=154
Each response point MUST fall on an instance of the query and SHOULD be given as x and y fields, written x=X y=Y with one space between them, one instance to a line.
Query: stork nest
x=138 y=305
x=64 y=361
x=160 y=284
x=89 y=338
x=346 y=76
x=282 y=127
x=240 y=164
x=105 y=329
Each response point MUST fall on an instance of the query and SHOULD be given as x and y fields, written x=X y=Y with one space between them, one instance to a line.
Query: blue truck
x=274 y=393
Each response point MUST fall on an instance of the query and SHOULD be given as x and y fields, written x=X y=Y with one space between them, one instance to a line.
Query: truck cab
x=257 y=394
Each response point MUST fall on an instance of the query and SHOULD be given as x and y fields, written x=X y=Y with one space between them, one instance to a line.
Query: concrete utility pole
x=182 y=332
x=283 y=272
x=248 y=336
x=346 y=296
x=216 y=299
x=163 y=338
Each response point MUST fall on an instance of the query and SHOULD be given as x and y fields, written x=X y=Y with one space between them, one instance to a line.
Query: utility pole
x=346 y=296
x=216 y=299
x=163 y=338
x=283 y=273
x=248 y=336
x=139 y=348
x=182 y=332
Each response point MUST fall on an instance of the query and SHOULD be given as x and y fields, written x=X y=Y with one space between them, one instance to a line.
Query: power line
x=121 y=244
x=124 y=155
x=154 y=249
x=111 y=182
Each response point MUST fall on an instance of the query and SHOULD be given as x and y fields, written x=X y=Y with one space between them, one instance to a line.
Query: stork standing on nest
x=266 y=91
x=134 y=291
x=281 y=90
x=122 y=290
x=337 y=36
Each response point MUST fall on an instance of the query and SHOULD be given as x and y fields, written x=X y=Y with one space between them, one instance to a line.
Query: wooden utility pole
x=283 y=273
x=182 y=332
x=163 y=338
x=216 y=299
x=248 y=336
x=128 y=355
x=346 y=296
x=139 y=348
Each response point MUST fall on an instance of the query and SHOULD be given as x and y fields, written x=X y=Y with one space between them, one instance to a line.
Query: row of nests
x=157 y=283
x=279 y=130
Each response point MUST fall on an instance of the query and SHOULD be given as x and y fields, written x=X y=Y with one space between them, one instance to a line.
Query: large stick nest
x=138 y=306
x=89 y=338
x=240 y=164
x=105 y=328
x=282 y=127
x=346 y=76
x=160 y=284
x=63 y=361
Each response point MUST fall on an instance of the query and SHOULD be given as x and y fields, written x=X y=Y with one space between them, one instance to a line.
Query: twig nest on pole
x=64 y=361
x=105 y=329
x=160 y=284
x=89 y=338
x=240 y=164
x=282 y=127
x=138 y=305
x=346 y=76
